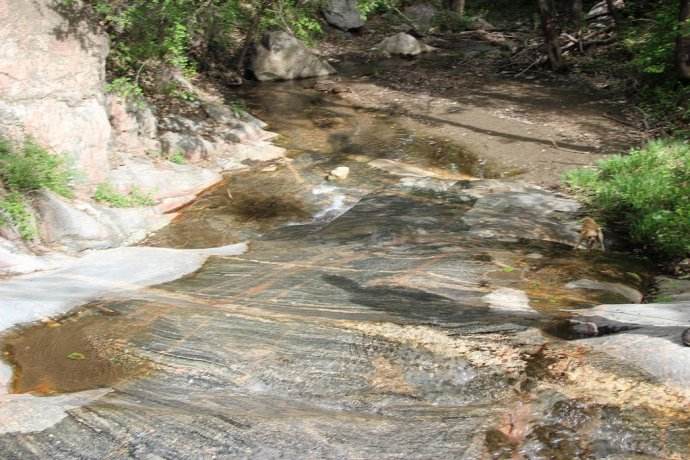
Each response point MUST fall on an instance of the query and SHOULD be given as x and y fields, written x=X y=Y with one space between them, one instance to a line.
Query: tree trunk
x=683 y=41
x=251 y=33
x=578 y=13
x=613 y=11
x=456 y=5
x=548 y=26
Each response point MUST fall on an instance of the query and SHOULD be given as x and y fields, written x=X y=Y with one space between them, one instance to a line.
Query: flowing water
x=398 y=313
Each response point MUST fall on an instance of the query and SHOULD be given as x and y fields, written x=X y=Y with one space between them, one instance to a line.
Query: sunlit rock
x=280 y=56
x=342 y=14
x=402 y=44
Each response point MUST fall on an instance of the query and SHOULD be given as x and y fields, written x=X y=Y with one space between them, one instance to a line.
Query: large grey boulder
x=52 y=74
x=421 y=15
x=280 y=56
x=402 y=44
x=343 y=14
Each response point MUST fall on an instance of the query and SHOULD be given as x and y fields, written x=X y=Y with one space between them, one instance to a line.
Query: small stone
x=339 y=173
x=686 y=337
x=270 y=168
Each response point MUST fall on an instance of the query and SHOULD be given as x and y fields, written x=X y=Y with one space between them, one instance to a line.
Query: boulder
x=402 y=44
x=653 y=341
x=421 y=15
x=52 y=74
x=280 y=56
x=342 y=14
x=626 y=292
x=77 y=226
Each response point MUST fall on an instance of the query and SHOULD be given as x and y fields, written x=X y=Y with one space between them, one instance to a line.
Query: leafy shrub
x=30 y=167
x=648 y=191
x=105 y=193
x=451 y=21
x=177 y=158
x=369 y=7
x=127 y=89
x=13 y=211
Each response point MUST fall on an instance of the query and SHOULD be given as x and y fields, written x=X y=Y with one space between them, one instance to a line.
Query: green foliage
x=299 y=18
x=451 y=21
x=647 y=191
x=30 y=167
x=127 y=89
x=238 y=107
x=105 y=193
x=14 y=211
x=177 y=158
x=369 y=7
x=652 y=43
x=188 y=34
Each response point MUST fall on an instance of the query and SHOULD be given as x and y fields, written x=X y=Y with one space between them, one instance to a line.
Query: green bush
x=29 y=167
x=450 y=21
x=647 y=191
x=177 y=158
x=105 y=193
x=14 y=211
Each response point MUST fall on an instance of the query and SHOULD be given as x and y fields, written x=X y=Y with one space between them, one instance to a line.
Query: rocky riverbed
x=409 y=310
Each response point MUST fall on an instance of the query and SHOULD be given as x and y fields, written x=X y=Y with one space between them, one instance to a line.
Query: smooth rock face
x=134 y=125
x=384 y=331
x=403 y=44
x=654 y=341
x=52 y=73
x=77 y=226
x=280 y=56
x=630 y=294
x=671 y=289
x=509 y=209
x=342 y=14
x=37 y=295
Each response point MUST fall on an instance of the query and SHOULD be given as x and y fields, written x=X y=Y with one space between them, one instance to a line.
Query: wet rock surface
x=385 y=316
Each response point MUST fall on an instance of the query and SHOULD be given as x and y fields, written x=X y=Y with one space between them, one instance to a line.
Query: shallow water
x=381 y=316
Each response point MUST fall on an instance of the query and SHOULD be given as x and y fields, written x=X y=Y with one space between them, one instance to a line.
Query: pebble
x=339 y=173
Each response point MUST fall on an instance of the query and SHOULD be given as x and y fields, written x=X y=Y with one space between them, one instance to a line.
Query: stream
x=416 y=309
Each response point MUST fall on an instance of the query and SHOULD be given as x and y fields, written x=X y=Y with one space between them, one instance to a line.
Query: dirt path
x=534 y=130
